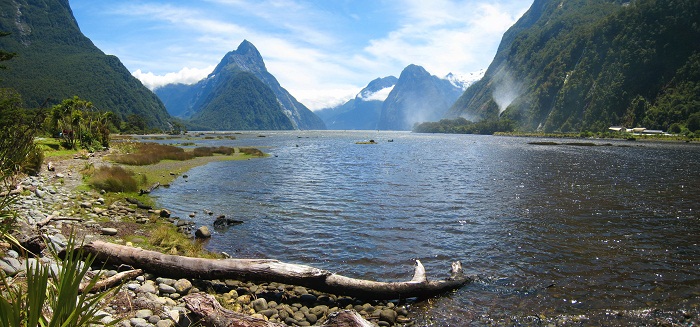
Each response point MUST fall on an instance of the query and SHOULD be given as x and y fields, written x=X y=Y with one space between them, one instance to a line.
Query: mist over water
x=551 y=231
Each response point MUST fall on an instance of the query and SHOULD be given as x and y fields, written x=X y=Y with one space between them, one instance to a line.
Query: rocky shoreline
x=52 y=206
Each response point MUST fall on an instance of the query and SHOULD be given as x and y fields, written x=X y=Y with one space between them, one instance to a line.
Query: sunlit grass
x=113 y=179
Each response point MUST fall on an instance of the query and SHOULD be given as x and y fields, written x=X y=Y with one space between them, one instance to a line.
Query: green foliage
x=53 y=298
x=4 y=55
x=586 y=65
x=56 y=61
x=463 y=126
x=18 y=127
x=113 y=179
x=76 y=120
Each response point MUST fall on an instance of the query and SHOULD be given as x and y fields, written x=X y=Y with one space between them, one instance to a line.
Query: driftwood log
x=264 y=270
x=212 y=314
x=108 y=282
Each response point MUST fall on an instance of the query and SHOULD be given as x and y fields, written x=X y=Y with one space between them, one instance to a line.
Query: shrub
x=53 y=298
x=252 y=152
x=113 y=179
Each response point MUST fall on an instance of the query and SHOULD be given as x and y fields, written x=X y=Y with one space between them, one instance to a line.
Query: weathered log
x=264 y=270
x=108 y=282
x=213 y=314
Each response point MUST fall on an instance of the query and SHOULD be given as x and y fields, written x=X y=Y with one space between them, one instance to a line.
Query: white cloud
x=446 y=36
x=185 y=76
x=319 y=52
x=380 y=95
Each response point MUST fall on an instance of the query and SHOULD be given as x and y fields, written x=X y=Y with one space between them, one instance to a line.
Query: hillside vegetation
x=55 y=61
x=584 y=65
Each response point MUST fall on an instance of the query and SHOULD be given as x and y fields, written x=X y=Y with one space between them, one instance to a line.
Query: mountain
x=56 y=61
x=584 y=65
x=417 y=97
x=239 y=94
x=361 y=112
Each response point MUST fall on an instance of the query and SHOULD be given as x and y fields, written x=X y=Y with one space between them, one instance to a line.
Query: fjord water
x=605 y=234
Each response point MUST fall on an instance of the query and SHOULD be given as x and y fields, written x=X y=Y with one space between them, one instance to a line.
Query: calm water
x=605 y=234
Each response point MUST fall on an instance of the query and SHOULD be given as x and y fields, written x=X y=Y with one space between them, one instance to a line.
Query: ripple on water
x=553 y=232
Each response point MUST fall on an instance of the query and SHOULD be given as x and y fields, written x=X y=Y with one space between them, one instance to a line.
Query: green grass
x=52 y=148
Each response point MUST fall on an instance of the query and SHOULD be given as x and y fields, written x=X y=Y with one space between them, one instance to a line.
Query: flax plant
x=53 y=298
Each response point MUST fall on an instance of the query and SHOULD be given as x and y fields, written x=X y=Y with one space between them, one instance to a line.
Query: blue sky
x=323 y=52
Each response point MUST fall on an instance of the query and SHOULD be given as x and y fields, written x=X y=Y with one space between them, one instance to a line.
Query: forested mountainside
x=239 y=94
x=55 y=61
x=584 y=65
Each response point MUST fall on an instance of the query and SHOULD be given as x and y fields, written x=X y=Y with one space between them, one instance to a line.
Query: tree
x=4 y=55
x=77 y=120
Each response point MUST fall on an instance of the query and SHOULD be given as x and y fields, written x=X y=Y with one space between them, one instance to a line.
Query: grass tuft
x=114 y=179
x=151 y=153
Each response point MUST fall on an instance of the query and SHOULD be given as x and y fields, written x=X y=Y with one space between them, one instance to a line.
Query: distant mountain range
x=584 y=65
x=56 y=61
x=361 y=112
x=396 y=104
x=240 y=94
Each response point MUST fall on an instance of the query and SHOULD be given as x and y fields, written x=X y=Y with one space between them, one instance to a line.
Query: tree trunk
x=264 y=270
x=213 y=314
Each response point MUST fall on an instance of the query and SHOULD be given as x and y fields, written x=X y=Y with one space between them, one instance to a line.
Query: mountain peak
x=414 y=70
x=247 y=48
x=246 y=58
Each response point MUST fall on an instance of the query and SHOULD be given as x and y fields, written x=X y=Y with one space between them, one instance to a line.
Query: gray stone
x=148 y=288
x=153 y=319
x=86 y=205
x=39 y=193
x=138 y=322
x=143 y=313
x=319 y=311
x=7 y=268
x=183 y=286
x=12 y=254
x=202 y=232
x=167 y=281
x=311 y=318
x=166 y=289
x=259 y=304
x=108 y=231
x=388 y=315
x=165 y=323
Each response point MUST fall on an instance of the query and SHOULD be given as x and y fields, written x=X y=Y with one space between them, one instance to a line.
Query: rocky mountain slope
x=239 y=94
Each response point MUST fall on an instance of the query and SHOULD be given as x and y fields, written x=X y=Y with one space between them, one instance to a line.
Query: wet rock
x=164 y=213
x=202 y=232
